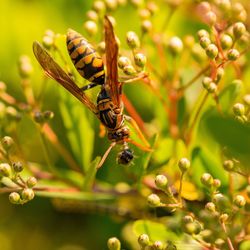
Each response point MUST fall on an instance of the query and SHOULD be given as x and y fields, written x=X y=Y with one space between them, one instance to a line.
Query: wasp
x=109 y=107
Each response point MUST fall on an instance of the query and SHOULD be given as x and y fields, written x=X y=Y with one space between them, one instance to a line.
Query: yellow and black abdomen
x=86 y=60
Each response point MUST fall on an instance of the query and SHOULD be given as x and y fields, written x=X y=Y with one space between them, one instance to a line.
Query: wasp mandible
x=109 y=107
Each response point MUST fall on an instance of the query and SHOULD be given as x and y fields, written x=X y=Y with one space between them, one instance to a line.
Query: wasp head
x=125 y=156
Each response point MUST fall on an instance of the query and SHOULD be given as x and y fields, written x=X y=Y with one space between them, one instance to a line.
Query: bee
x=109 y=107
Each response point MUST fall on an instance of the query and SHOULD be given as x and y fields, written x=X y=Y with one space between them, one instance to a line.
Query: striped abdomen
x=86 y=60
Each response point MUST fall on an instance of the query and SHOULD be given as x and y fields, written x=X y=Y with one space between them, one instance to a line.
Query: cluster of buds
x=49 y=39
x=42 y=117
x=239 y=111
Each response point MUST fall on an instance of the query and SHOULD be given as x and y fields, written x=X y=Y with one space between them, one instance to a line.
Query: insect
x=109 y=107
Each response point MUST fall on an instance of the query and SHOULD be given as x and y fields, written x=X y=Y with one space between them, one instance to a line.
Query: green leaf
x=90 y=175
x=155 y=230
x=229 y=94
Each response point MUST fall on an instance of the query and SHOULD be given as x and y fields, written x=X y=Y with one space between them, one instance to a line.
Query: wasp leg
x=134 y=79
x=89 y=86
x=144 y=148
x=136 y=127
x=106 y=154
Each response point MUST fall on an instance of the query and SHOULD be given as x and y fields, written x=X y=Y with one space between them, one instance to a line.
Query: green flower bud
x=239 y=29
x=246 y=99
x=206 y=82
x=219 y=75
x=210 y=18
x=146 y=26
x=144 y=14
x=207 y=179
x=48 y=115
x=154 y=200
x=114 y=244
x=226 y=41
x=202 y=33
x=175 y=45
x=92 y=15
x=133 y=40
x=111 y=4
x=48 y=42
x=161 y=181
x=99 y=7
x=184 y=164
x=2 y=87
x=90 y=27
x=212 y=51
x=239 y=109
x=17 y=167
x=14 y=198
x=187 y=219
x=217 y=183
x=140 y=59
x=228 y=165
x=224 y=5
x=221 y=201
x=5 y=169
x=212 y=87
x=31 y=182
x=233 y=54
x=101 y=47
x=143 y=240
x=157 y=245
x=129 y=70
x=223 y=218
x=38 y=117
x=210 y=206
x=7 y=142
x=193 y=228
x=123 y=61
x=28 y=194
x=239 y=201
x=204 y=42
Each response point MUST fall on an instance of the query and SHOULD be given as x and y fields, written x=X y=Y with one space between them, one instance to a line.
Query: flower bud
x=25 y=67
x=207 y=179
x=101 y=47
x=114 y=244
x=14 y=198
x=90 y=27
x=170 y=246
x=204 y=7
x=99 y=7
x=17 y=167
x=239 y=201
x=129 y=70
x=193 y=228
x=154 y=200
x=137 y=3
x=111 y=4
x=175 y=45
x=13 y=113
x=233 y=54
x=189 y=41
x=133 y=40
x=239 y=109
x=5 y=169
x=48 y=42
x=224 y=5
x=198 y=53
x=210 y=206
x=219 y=243
x=206 y=82
x=92 y=15
x=212 y=87
x=246 y=99
x=152 y=7
x=184 y=164
x=210 y=18
x=239 y=29
x=31 y=182
x=207 y=235
x=219 y=75
x=161 y=181
x=204 y=42
x=217 y=183
x=143 y=240
x=157 y=245
x=202 y=33
x=221 y=201
x=144 y=14
x=38 y=117
x=28 y=194
x=212 y=51
x=7 y=142
x=187 y=219
x=140 y=59
x=146 y=26
x=228 y=165
x=226 y=41
x=123 y=61
x=223 y=218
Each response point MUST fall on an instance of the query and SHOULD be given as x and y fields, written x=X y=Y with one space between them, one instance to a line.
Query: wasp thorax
x=125 y=156
x=119 y=134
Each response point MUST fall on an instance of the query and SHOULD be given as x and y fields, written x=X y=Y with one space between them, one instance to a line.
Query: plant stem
x=229 y=242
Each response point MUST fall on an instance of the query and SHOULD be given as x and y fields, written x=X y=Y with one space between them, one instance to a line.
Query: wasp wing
x=111 y=49
x=54 y=71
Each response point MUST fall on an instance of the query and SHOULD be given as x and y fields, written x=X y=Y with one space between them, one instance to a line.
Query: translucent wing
x=111 y=49
x=54 y=71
